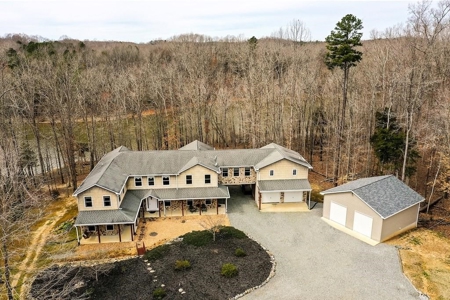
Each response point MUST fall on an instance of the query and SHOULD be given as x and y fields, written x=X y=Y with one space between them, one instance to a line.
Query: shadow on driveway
x=316 y=261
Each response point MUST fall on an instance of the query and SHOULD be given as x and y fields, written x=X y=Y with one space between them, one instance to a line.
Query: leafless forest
x=68 y=99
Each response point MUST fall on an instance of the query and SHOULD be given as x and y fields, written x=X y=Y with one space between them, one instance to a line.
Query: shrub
x=240 y=252
x=181 y=265
x=159 y=293
x=198 y=238
x=157 y=253
x=231 y=232
x=229 y=270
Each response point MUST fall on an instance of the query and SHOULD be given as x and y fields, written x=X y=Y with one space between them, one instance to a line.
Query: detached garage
x=377 y=208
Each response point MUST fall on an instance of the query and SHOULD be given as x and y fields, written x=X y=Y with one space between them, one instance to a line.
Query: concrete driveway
x=316 y=261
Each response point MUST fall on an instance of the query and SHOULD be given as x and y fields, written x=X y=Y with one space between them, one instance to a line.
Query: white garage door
x=338 y=213
x=293 y=196
x=270 y=197
x=362 y=224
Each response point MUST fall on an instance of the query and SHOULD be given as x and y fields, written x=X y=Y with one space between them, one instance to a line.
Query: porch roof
x=126 y=214
x=190 y=193
x=284 y=185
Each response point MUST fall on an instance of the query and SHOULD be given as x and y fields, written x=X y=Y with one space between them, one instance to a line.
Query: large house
x=127 y=185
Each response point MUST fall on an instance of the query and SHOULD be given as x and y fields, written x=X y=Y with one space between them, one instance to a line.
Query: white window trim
x=110 y=229
x=168 y=181
x=294 y=172
x=206 y=201
x=90 y=229
x=192 y=180
x=228 y=173
x=249 y=171
x=209 y=178
x=167 y=201
x=271 y=173
x=110 y=201
x=239 y=172
x=138 y=177
x=92 y=202
x=148 y=180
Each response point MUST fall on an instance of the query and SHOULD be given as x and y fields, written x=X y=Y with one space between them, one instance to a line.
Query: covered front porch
x=181 y=208
x=114 y=233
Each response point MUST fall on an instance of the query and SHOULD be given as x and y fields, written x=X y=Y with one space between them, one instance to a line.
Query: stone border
x=271 y=274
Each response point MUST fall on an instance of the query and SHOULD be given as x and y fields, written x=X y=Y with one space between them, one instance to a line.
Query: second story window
x=294 y=172
x=247 y=171
x=207 y=178
x=151 y=181
x=188 y=179
x=87 y=201
x=166 y=180
x=137 y=181
x=271 y=172
x=236 y=172
x=225 y=172
x=106 y=201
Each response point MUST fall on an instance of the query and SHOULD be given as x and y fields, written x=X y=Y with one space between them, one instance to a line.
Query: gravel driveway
x=316 y=261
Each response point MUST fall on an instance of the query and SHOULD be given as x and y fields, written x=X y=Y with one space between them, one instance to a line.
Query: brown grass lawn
x=425 y=257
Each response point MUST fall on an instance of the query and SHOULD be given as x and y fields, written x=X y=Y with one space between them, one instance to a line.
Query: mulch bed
x=132 y=279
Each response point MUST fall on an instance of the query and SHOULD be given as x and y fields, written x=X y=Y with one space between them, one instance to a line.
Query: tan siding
x=97 y=194
x=198 y=177
x=400 y=222
x=353 y=203
x=283 y=170
x=158 y=183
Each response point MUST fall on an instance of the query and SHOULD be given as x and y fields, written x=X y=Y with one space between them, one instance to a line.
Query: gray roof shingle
x=284 y=185
x=191 y=193
x=386 y=195
x=196 y=145
x=115 y=167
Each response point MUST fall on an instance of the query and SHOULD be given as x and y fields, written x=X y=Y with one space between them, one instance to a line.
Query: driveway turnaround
x=316 y=261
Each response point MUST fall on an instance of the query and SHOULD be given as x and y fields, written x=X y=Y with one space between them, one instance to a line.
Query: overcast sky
x=146 y=20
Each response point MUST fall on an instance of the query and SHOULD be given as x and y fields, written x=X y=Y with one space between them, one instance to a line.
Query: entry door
x=363 y=224
x=152 y=204
x=338 y=213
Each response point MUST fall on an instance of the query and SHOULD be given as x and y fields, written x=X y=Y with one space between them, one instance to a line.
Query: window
x=294 y=172
x=106 y=201
x=166 y=180
x=271 y=172
x=137 y=181
x=208 y=201
x=225 y=172
x=236 y=172
x=207 y=178
x=166 y=203
x=188 y=179
x=151 y=181
x=87 y=201
x=247 y=171
x=109 y=227
x=189 y=202
x=91 y=228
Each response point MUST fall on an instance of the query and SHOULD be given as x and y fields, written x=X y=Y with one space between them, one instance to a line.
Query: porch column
x=309 y=200
x=164 y=203
x=217 y=205
x=132 y=232
x=98 y=232
x=259 y=200
x=78 y=239
x=120 y=236
x=226 y=205
x=182 y=208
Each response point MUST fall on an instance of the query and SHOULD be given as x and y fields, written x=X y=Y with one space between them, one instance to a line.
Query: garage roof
x=284 y=185
x=386 y=195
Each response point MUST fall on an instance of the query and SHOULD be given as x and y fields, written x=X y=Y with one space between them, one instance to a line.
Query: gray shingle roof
x=125 y=215
x=191 y=193
x=196 y=145
x=386 y=195
x=114 y=168
x=284 y=185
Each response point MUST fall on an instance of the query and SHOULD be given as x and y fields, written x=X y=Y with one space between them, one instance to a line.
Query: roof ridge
x=380 y=178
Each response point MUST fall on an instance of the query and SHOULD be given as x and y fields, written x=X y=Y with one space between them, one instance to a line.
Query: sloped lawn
x=188 y=268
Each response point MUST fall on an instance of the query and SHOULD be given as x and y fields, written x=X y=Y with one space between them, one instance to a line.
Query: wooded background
x=61 y=100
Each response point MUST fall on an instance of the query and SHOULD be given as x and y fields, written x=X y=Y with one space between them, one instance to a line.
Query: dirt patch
x=426 y=261
x=138 y=278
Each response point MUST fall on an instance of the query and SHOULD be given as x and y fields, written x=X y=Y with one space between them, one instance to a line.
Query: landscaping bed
x=187 y=268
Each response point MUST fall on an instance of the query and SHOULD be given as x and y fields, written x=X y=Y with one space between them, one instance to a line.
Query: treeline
x=62 y=99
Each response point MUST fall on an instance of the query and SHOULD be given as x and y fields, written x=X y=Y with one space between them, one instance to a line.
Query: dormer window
x=137 y=181
x=271 y=172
